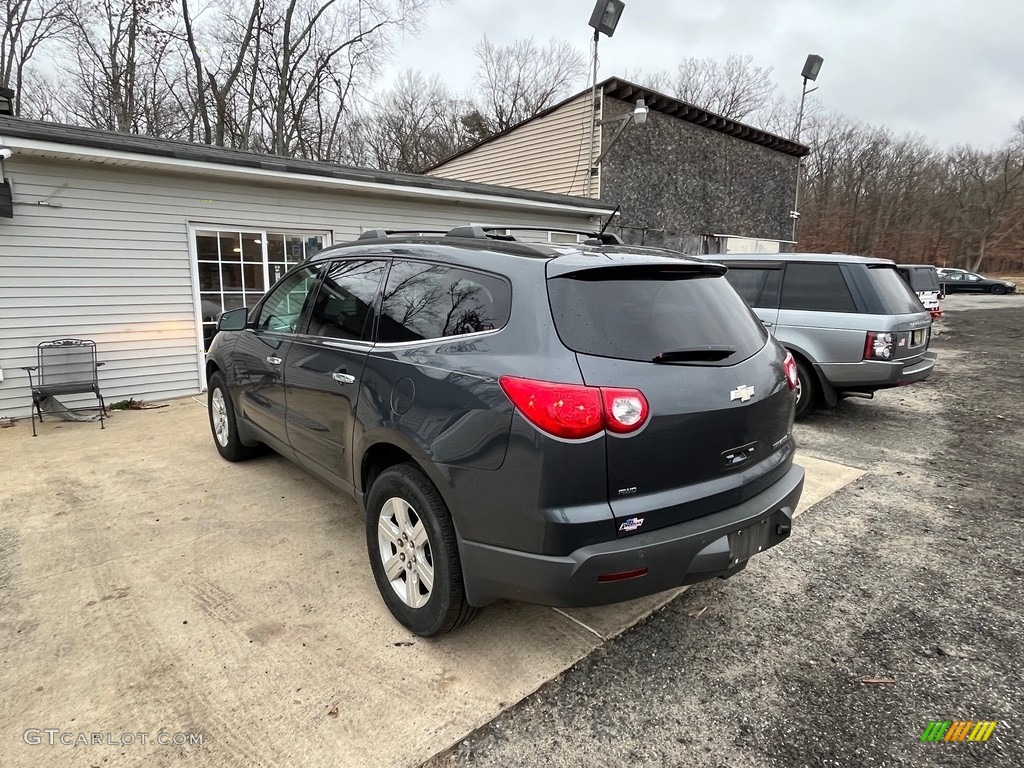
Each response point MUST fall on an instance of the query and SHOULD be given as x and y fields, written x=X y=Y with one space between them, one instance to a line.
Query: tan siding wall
x=112 y=262
x=547 y=154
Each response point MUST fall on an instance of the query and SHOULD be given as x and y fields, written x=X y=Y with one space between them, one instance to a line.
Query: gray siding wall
x=674 y=177
x=109 y=260
x=547 y=154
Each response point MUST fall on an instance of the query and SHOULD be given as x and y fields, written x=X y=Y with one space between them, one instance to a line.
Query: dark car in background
x=566 y=425
x=971 y=282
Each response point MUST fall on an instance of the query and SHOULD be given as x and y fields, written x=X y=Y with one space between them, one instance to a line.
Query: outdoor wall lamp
x=638 y=115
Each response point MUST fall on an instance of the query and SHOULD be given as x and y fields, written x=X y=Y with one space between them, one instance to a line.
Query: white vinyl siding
x=546 y=154
x=107 y=257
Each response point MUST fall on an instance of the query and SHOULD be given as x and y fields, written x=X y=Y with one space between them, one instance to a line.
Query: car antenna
x=610 y=217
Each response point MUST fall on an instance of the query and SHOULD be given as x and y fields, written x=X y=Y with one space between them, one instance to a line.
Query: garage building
x=138 y=243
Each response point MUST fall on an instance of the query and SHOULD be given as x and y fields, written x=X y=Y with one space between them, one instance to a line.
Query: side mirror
x=233 y=319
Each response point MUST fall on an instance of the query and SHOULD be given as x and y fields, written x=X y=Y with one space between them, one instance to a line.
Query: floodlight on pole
x=812 y=66
x=605 y=18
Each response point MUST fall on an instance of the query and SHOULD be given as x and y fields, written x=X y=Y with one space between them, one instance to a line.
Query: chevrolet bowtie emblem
x=741 y=393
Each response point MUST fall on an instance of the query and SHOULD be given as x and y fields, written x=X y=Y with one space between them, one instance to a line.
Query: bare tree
x=119 y=51
x=417 y=124
x=217 y=66
x=988 y=188
x=735 y=88
x=27 y=25
x=316 y=52
x=518 y=81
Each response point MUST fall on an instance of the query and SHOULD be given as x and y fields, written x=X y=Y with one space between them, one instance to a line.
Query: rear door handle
x=343 y=378
x=766 y=324
x=274 y=360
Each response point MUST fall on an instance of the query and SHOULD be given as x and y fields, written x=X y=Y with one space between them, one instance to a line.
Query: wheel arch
x=826 y=388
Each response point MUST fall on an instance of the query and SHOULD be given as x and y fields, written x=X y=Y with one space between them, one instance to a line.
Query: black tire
x=999 y=290
x=444 y=607
x=222 y=414
x=807 y=389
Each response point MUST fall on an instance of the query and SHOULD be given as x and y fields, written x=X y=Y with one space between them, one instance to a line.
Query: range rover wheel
x=413 y=553
x=222 y=422
x=805 y=389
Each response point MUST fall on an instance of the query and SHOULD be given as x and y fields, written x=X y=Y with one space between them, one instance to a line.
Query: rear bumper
x=870 y=375
x=686 y=553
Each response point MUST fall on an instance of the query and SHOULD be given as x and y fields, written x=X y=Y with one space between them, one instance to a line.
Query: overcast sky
x=951 y=70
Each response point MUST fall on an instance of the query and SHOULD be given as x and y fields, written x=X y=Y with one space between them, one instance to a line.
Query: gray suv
x=853 y=325
x=565 y=425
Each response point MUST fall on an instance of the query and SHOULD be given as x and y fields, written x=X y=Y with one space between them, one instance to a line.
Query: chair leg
x=103 y=409
x=35 y=408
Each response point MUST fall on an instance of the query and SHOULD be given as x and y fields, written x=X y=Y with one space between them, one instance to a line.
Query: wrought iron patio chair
x=64 y=367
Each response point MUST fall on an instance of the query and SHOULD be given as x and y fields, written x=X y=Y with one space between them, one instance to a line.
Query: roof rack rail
x=376 y=234
x=480 y=231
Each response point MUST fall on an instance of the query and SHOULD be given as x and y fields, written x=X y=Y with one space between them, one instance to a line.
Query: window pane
x=252 y=247
x=252 y=299
x=747 y=282
x=231 y=274
x=277 y=272
x=210 y=306
x=314 y=244
x=818 y=287
x=283 y=309
x=233 y=301
x=293 y=250
x=253 y=275
x=209 y=276
x=230 y=247
x=344 y=304
x=430 y=301
x=209 y=331
x=206 y=246
x=275 y=246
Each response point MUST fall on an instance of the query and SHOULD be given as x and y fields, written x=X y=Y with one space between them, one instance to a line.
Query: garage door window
x=236 y=267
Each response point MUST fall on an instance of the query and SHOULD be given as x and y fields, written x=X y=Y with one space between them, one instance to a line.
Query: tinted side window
x=747 y=282
x=432 y=301
x=819 y=287
x=282 y=310
x=343 y=308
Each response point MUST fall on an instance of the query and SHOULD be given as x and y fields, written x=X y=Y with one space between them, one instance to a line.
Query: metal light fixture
x=812 y=67
x=638 y=116
x=640 y=112
x=810 y=73
x=606 y=16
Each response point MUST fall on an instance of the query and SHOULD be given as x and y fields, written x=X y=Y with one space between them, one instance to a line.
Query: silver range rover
x=851 y=322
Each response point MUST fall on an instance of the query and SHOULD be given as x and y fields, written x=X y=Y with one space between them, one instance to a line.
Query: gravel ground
x=911 y=574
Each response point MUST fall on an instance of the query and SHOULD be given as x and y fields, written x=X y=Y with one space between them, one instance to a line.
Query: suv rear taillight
x=878 y=346
x=792 y=374
x=575 y=411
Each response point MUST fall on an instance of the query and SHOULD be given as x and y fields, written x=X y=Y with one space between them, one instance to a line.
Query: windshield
x=643 y=313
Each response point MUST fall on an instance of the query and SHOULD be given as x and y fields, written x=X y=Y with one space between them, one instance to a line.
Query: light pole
x=605 y=18
x=810 y=73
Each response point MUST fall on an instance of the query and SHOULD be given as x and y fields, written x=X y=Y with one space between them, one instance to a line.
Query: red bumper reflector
x=622 y=575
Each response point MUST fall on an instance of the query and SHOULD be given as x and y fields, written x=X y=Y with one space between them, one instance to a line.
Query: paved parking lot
x=148 y=587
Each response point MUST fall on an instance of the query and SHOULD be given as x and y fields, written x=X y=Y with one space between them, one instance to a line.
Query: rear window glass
x=816 y=287
x=923 y=279
x=638 y=313
x=890 y=295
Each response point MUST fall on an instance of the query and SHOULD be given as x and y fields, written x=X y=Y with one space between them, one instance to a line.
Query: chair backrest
x=67 y=361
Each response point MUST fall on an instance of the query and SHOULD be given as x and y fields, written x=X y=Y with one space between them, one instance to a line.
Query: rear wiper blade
x=706 y=353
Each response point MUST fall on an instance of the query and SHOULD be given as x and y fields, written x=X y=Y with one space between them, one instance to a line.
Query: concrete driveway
x=162 y=606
